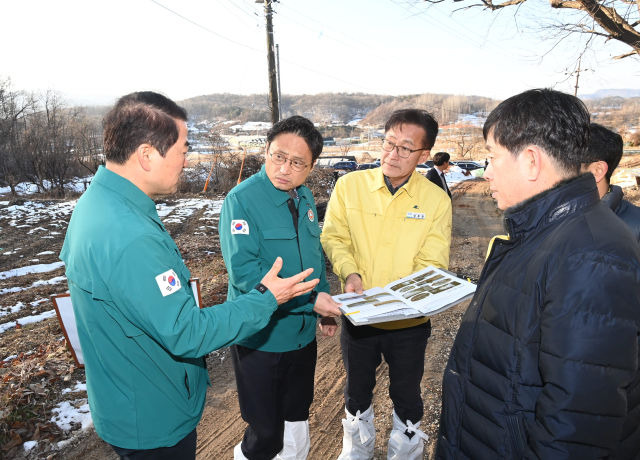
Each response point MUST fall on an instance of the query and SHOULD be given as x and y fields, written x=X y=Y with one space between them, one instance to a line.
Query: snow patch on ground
x=55 y=280
x=70 y=413
x=39 y=268
x=27 y=320
x=47 y=217
x=4 y=311
x=78 y=185
x=29 y=445
x=455 y=175
x=80 y=386
x=186 y=207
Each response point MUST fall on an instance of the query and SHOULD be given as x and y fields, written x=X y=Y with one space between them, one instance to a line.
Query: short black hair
x=555 y=121
x=605 y=145
x=441 y=158
x=300 y=126
x=417 y=117
x=140 y=118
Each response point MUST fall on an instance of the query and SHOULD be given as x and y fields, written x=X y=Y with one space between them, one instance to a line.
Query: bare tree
x=617 y=20
x=87 y=135
x=219 y=146
x=345 y=148
x=15 y=106
x=467 y=141
x=48 y=148
x=51 y=143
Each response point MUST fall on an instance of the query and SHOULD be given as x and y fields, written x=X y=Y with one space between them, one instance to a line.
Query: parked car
x=343 y=167
x=368 y=166
x=423 y=168
x=468 y=165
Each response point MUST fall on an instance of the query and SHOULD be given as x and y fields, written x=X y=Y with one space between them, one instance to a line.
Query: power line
x=251 y=14
x=251 y=11
x=360 y=44
x=443 y=21
x=359 y=87
x=315 y=71
x=206 y=29
x=252 y=17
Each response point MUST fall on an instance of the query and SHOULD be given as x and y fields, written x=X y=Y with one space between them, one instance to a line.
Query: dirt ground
x=50 y=368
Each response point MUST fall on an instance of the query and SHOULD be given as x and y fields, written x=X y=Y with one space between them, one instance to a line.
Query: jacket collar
x=125 y=188
x=378 y=182
x=277 y=196
x=565 y=199
x=613 y=198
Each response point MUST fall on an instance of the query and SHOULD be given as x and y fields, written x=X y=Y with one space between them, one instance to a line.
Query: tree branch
x=614 y=25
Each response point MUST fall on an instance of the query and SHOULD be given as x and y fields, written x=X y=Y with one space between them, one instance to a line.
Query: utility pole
x=273 y=81
x=278 y=73
x=575 y=92
x=579 y=70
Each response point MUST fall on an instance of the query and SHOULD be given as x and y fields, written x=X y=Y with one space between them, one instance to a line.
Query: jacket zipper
x=293 y=210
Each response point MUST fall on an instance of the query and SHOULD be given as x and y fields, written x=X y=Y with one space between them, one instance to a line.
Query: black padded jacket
x=629 y=213
x=545 y=363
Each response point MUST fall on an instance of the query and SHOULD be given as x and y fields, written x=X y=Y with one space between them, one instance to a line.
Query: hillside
x=325 y=108
x=341 y=108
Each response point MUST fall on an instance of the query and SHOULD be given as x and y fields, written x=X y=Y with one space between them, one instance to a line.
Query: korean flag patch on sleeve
x=239 y=227
x=168 y=282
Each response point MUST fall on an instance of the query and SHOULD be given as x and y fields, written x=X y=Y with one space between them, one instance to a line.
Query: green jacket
x=142 y=334
x=256 y=226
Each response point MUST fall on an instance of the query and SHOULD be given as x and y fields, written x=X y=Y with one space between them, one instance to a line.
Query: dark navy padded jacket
x=629 y=213
x=545 y=363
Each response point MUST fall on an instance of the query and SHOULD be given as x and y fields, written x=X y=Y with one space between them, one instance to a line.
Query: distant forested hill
x=334 y=107
x=613 y=111
x=326 y=108
x=446 y=108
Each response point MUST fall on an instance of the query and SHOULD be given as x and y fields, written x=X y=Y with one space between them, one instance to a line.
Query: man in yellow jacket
x=383 y=224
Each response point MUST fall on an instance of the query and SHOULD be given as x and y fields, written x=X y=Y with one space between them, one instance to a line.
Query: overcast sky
x=95 y=51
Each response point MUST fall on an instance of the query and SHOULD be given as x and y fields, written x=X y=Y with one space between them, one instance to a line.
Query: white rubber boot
x=237 y=453
x=295 y=441
x=359 y=436
x=401 y=447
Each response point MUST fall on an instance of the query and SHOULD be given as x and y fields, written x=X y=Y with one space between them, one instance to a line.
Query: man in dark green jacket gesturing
x=141 y=332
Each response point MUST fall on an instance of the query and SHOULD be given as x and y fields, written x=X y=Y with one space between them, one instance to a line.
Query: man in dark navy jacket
x=545 y=363
x=603 y=156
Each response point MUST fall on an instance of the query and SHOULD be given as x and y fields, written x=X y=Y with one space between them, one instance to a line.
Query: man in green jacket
x=141 y=332
x=268 y=215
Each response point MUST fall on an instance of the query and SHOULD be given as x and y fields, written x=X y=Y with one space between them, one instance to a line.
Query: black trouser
x=184 y=450
x=272 y=388
x=403 y=349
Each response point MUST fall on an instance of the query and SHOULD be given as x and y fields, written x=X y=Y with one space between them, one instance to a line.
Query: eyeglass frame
x=285 y=159
x=398 y=147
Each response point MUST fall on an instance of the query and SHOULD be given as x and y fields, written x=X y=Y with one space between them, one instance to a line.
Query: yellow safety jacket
x=383 y=237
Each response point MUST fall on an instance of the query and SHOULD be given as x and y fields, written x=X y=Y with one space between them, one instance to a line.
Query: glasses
x=280 y=159
x=403 y=152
